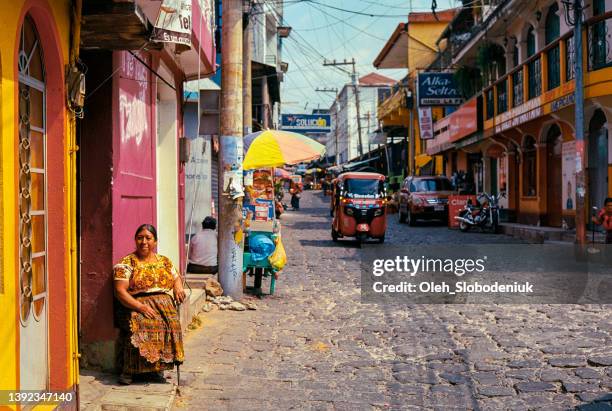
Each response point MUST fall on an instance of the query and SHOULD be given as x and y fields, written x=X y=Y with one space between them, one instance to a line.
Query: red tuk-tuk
x=359 y=206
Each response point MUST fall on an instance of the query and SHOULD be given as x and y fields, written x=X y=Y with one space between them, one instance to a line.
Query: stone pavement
x=315 y=346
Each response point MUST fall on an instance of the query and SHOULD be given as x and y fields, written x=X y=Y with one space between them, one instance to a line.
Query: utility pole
x=573 y=16
x=231 y=152
x=247 y=87
x=353 y=75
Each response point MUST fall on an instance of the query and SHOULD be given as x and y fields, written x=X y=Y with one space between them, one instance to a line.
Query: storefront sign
x=438 y=89
x=173 y=23
x=425 y=123
x=463 y=122
x=306 y=123
x=562 y=102
x=456 y=203
x=519 y=115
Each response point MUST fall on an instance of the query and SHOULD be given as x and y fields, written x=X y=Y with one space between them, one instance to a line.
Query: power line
x=355 y=12
x=349 y=24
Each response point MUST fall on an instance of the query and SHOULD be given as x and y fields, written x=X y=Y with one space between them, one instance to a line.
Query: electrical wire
x=355 y=12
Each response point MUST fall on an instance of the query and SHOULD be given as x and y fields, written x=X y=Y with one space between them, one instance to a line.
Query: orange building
x=517 y=131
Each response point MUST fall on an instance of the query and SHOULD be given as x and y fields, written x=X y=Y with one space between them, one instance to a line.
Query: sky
x=320 y=29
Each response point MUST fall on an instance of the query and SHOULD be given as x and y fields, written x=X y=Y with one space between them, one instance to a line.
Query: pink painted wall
x=202 y=37
x=134 y=188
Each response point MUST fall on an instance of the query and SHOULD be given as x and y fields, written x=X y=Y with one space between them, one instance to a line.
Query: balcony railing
x=517 y=87
x=502 y=96
x=534 y=70
x=490 y=103
x=554 y=67
x=525 y=80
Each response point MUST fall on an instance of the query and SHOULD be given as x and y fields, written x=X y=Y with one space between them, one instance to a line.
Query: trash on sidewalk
x=236 y=306
x=228 y=303
x=213 y=287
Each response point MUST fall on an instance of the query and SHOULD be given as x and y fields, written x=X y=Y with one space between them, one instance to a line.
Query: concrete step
x=197 y=299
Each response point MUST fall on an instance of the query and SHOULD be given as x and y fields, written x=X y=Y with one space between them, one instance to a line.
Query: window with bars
x=534 y=71
x=502 y=96
x=552 y=30
x=570 y=53
x=32 y=175
x=517 y=88
x=490 y=104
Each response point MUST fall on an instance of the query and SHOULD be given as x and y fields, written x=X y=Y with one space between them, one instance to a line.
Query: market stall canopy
x=275 y=148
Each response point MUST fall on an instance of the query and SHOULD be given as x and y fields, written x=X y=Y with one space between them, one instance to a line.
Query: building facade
x=350 y=133
x=516 y=131
x=411 y=46
x=132 y=150
x=37 y=192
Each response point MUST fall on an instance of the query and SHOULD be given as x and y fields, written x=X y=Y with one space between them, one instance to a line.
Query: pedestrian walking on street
x=145 y=284
x=295 y=196
x=203 y=249
x=604 y=218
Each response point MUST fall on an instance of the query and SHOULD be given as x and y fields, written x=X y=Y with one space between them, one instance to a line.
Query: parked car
x=424 y=198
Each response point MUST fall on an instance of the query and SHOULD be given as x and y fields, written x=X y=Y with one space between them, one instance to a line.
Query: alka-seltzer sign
x=306 y=123
x=173 y=23
x=438 y=89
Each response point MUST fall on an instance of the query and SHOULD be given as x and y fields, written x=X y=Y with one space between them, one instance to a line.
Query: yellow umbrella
x=275 y=148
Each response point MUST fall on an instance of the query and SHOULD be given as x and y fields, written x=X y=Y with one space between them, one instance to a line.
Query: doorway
x=597 y=164
x=554 y=142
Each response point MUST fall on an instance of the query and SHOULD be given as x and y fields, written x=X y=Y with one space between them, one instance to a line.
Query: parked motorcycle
x=484 y=215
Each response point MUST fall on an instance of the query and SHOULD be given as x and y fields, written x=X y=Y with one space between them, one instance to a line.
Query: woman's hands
x=179 y=292
x=147 y=311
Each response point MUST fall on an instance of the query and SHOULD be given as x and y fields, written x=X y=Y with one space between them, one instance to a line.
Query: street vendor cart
x=264 y=254
x=262 y=229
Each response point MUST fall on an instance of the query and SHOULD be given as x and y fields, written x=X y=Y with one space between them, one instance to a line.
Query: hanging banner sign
x=173 y=23
x=438 y=89
x=426 y=123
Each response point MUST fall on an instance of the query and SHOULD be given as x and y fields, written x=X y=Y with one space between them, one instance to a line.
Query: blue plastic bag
x=261 y=247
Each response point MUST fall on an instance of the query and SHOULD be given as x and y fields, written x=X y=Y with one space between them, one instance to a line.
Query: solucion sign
x=306 y=123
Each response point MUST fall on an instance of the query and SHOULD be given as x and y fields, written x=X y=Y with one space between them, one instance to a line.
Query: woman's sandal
x=125 y=379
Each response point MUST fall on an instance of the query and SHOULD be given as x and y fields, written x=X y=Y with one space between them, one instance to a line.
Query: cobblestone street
x=315 y=346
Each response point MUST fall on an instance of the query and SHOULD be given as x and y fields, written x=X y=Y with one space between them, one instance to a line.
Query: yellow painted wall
x=422 y=47
x=10 y=17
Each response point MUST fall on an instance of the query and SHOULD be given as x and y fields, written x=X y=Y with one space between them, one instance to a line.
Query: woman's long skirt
x=151 y=345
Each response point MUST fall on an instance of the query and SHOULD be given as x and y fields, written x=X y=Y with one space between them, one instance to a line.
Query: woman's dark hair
x=209 y=223
x=147 y=227
x=607 y=200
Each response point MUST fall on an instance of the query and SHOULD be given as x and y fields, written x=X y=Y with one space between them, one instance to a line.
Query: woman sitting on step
x=145 y=284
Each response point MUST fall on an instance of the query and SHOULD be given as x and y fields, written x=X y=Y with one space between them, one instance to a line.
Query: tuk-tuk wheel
x=381 y=240
x=334 y=235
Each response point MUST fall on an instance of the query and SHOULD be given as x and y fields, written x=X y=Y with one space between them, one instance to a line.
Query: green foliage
x=468 y=80
x=487 y=56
